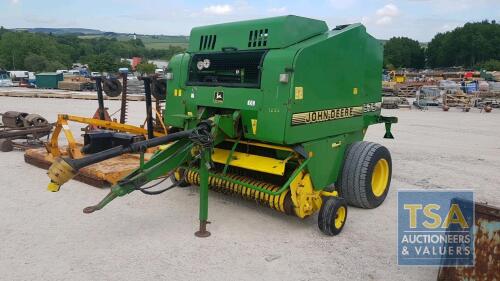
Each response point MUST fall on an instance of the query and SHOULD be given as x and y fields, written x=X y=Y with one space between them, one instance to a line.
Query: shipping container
x=48 y=80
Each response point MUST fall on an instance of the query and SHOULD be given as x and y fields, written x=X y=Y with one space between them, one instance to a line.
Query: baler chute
x=273 y=111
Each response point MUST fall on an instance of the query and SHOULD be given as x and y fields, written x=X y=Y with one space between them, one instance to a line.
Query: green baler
x=271 y=110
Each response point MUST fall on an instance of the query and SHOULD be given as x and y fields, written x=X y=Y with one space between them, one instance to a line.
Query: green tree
x=490 y=65
x=146 y=68
x=21 y=49
x=35 y=63
x=123 y=63
x=403 y=52
x=102 y=63
x=55 y=65
x=467 y=46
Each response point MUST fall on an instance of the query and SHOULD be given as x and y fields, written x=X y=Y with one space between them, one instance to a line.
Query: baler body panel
x=336 y=70
x=332 y=95
x=270 y=33
x=263 y=109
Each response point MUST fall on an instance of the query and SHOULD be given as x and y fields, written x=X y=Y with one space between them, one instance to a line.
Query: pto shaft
x=64 y=169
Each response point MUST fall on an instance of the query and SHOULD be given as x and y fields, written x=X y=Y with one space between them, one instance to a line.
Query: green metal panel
x=337 y=69
x=327 y=157
x=48 y=80
x=269 y=33
x=335 y=72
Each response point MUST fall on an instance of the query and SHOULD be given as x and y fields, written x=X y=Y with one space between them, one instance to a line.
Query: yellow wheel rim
x=340 y=217
x=380 y=177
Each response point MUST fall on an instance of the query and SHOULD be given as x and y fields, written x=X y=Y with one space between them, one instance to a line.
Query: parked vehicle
x=5 y=80
x=73 y=72
x=18 y=75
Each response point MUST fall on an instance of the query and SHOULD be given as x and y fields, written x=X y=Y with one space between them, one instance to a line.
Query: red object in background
x=96 y=116
x=135 y=62
x=468 y=75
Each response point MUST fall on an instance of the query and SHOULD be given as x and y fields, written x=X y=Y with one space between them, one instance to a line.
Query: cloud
x=386 y=14
x=389 y=10
x=14 y=2
x=218 y=9
x=384 y=21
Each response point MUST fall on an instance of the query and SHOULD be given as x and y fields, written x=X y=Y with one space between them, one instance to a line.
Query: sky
x=417 y=19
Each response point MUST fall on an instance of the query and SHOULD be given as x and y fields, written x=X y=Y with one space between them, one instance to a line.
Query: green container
x=48 y=80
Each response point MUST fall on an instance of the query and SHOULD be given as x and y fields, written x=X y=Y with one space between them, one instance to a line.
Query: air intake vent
x=207 y=42
x=258 y=38
x=340 y=27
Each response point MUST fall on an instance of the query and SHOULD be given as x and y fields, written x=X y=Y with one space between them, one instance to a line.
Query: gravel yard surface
x=45 y=236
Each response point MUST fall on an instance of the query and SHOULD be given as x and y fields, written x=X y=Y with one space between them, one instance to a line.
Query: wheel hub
x=380 y=177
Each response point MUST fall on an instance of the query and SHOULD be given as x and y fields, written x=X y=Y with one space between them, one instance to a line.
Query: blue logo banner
x=435 y=228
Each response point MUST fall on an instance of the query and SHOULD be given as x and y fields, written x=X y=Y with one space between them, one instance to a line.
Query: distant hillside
x=60 y=31
x=150 y=41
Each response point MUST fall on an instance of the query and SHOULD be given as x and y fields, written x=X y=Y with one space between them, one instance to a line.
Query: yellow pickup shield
x=250 y=161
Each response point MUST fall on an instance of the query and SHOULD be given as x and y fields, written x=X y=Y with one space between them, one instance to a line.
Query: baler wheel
x=366 y=176
x=332 y=215
x=177 y=177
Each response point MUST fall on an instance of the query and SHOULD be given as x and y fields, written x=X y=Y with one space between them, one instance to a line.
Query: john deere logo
x=219 y=97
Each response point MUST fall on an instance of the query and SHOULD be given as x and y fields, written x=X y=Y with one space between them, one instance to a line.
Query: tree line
x=474 y=46
x=22 y=50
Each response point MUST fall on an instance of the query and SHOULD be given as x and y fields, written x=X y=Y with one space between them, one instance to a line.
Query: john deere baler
x=274 y=111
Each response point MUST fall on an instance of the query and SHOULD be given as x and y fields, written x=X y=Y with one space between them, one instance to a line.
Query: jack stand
x=204 y=162
x=203 y=232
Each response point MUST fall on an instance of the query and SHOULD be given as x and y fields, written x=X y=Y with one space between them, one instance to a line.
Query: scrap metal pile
x=22 y=126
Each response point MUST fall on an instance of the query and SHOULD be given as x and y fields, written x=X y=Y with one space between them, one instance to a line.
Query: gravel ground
x=45 y=236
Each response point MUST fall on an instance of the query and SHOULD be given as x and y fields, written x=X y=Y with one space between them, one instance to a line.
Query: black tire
x=330 y=213
x=355 y=179
x=181 y=182
x=159 y=89
x=112 y=87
